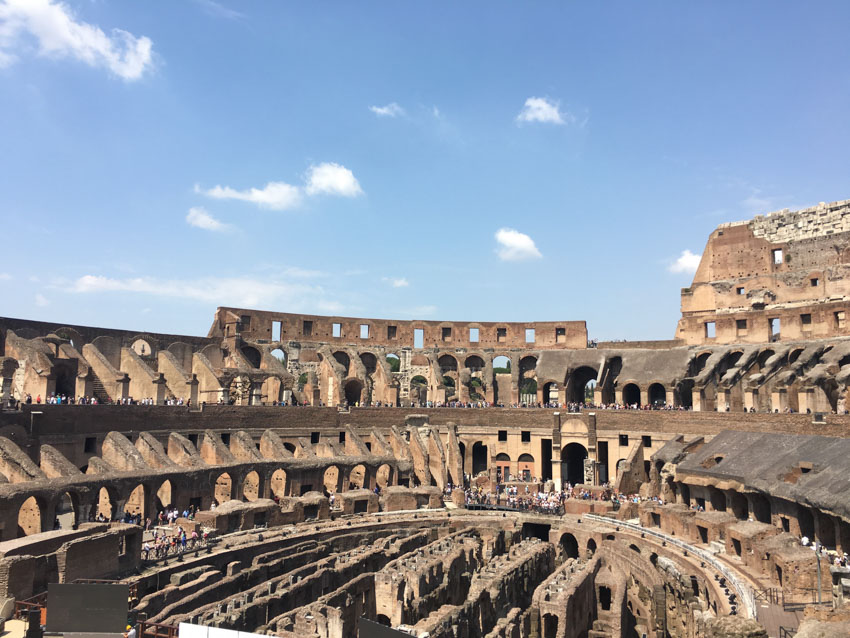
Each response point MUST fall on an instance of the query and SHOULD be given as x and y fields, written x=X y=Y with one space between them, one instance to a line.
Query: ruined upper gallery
x=778 y=277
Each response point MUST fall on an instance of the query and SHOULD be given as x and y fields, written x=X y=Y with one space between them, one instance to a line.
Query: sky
x=467 y=161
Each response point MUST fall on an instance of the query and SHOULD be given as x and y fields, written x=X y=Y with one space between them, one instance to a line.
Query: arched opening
x=370 y=362
x=252 y=356
x=331 y=479
x=581 y=384
x=384 y=476
x=501 y=365
x=223 y=488
x=763 y=358
x=634 y=548
x=280 y=355
x=381 y=619
x=631 y=395
x=447 y=364
x=717 y=499
x=698 y=364
x=525 y=467
x=164 y=496
x=536 y=530
x=353 y=391
x=356 y=477
x=289 y=446
x=653 y=558
x=605 y=598
x=806 y=522
x=795 y=355
x=480 y=458
x=569 y=545
x=342 y=359
x=503 y=467
x=142 y=348
x=591 y=547
x=761 y=508
x=419 y=389
x=251 y=486
x=394 y=362
x=29 y=517
x=527 y=367
x=277 y=484
x=739 y=506
x=572 y=463
x=136 y=502
x=66 y=512
x=474 y=363
x=657 y=395
x=106 y=505
x=462 y=447
x=550 y=393
x=550 y=626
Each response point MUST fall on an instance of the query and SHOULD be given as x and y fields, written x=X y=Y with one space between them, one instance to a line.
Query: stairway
x=99 y=391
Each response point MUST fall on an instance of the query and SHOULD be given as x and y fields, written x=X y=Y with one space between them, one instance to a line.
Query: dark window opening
x=361 y=506
x=525 y=437
x=740 y=290
x=503 y=435
x=342 y=437
x=225 y=438
x=605 y=598
x=647 y=440
x=501 y=335
x=90 y=446
x=815 y=282
x=624 y=440
x=392 y=332
x=806 y=319
x=446 y=334
x=314 y=437
x=307 y=328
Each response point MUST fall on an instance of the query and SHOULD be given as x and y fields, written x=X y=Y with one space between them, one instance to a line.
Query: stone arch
x=289 y=446
x=353 y=389
x=357 y=477
x=569 y=545
x=551 y=392
x=74 y=337
x=420 y=360
x=252 y=356
x=251 y=486
x=330 y=478
x=525 y=467
x=764 y=355
x=698 y=362
x=550 y=626
x=578 y=382
x=634 y=548
x=657 y=395
x=761 y=508
x=142 y=347
x=591 y=547
x=277 y=484
x=30 y=517
x=503 y=466
x=343 y=359
x=474 y=363
x=107 y=503
x=223 y=490
x=528 y=364
x=370 y=362
x=67 y=511
x=480 y=458
x=795 y=354
x=381 y=619
x=384 y=475
x=447 y=364
x=572 y=463
x=394 y=361
x=280 y=355
x=136 y=501
x=631 y=394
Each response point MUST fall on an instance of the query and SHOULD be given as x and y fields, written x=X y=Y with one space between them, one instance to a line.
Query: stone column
x=779 y=400
x=697 y=399
x=750 y=399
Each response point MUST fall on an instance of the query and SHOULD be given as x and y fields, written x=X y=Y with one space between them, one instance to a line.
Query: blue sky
x=444 y=160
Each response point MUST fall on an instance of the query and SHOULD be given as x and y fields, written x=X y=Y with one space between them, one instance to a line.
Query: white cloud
x=41 y=301
x=515 y=246
x=686 y=263
x=541 y=109
x=4 y=276
x=274 y=195
x=390 y=110
x=436 y=112
x=200 y=218
x=236 y=291
x=218 y=10
x=332 y=179
x=59 y=35
x=396 y=282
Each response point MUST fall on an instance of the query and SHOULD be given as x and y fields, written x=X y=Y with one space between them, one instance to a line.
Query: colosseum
x=331 y=477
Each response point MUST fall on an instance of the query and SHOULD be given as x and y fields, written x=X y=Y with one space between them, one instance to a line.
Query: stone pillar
x=724 y=400
x=806 y=399
x=597 y=395
x=618 y=396
x=159 y=390
x=779 y=400
x=644 y=397
x=750 y=399
x=697 y=399
x=671 y=397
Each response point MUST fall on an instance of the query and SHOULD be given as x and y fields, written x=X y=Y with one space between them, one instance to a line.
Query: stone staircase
x=99 y=391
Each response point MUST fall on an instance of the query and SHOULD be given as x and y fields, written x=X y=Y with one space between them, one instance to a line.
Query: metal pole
x=817 y=555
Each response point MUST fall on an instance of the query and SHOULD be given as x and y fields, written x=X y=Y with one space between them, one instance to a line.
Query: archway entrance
x=550 y=393
x=29 y=518
x=223 y=488
x=657 y=395
x=480 y=460
x=631 y=395
x=353 y=391
x=572 y=463
x=581 y=384
x=277 y=485
x=569 y=545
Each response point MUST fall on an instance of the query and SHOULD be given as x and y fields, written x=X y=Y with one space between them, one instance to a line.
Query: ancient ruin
x=305 y=476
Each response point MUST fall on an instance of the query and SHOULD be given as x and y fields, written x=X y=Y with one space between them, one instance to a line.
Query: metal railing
x=745 y=593
x=156 y=630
